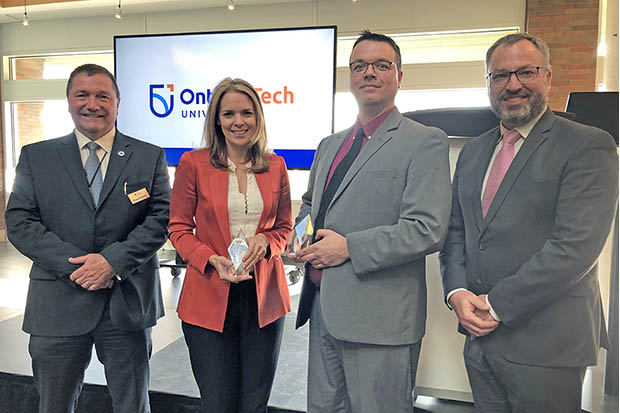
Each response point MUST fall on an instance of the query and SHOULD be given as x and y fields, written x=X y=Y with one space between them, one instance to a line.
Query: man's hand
x=485 y=315
x=473 y=313
x=290 y=244
x=95 y=272
x=329 y=250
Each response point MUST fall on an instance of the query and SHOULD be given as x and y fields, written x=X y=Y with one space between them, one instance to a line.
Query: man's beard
x=524 y=114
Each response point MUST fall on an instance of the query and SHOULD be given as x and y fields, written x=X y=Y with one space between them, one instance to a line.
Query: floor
x=170 y=369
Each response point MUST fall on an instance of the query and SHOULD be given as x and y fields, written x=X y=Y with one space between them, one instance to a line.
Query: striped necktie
x=93 y=172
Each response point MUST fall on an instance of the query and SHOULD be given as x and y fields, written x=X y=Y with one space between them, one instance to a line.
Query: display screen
x=166 y=82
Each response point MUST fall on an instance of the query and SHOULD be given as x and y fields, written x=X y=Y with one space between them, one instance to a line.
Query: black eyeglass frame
x=374 y=66
x=489 y=76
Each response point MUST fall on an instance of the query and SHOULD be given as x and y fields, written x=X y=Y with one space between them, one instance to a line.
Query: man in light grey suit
x=532 y=205
x=90 y=209
x=379 y=203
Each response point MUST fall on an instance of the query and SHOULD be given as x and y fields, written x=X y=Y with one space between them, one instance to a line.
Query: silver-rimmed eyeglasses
x=524 y=75
x=381 y=66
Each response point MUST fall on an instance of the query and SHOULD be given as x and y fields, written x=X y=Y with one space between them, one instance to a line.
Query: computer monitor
x=598 y=109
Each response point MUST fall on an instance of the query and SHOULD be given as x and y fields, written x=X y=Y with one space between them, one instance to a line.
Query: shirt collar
x=371 y=127
x=105 y=142
x=524 y=130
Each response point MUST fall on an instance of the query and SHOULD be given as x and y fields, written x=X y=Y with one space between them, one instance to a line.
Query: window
x=29 y=120
x=450 y=46
x=37 y=121
x=55 y=67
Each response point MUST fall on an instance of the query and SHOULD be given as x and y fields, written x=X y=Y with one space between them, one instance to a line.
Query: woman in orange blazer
x=232 y=321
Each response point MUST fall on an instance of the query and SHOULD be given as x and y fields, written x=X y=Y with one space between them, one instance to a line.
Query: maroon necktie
x=341 y=170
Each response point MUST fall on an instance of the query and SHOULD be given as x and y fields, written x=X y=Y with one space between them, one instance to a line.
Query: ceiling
x=13 y=10
x=19 y=3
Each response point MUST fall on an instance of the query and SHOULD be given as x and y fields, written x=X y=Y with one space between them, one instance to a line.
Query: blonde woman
x=232 y=321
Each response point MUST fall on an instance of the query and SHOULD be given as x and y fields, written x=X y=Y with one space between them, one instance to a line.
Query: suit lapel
x=383 y=134
x=323 y=172
x=119 y=157
x=485 y=158
x=536 y=137
x=69 y=153
x=263 y=180
x=219 y=196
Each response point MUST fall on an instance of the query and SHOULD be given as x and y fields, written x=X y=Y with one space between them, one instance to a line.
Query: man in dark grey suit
x=90 y=209
x=376 y=219
x=532 y=205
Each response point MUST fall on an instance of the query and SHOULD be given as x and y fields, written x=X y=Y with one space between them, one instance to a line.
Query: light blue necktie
x=93 y=172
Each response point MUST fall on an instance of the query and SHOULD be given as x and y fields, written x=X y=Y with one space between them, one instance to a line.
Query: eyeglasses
x=381 y=66
x=502 y=77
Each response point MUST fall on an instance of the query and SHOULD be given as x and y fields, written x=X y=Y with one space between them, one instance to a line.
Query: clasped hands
x=257 y=249
x=473 y=312
x=329 y=250
x=95 y=272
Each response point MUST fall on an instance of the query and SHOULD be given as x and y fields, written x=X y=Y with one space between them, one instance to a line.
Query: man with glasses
x=378 y=197
x=532 y=204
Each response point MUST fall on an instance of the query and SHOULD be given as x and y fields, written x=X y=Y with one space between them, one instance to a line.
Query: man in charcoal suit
x=532 y=204
x=90 y=209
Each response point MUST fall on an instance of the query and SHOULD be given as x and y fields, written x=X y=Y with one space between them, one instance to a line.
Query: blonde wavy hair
x=213 y=137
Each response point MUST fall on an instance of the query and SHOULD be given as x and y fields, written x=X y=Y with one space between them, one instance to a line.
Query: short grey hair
x=517 y=37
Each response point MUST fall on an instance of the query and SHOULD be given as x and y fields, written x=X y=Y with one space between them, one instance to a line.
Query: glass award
x=303 y=234
x=236 y=251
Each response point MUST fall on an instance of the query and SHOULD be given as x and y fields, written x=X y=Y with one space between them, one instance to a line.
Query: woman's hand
x=224 y=268
x=257 y=249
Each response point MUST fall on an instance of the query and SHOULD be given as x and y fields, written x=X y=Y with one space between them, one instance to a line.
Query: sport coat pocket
x=137 y=192
x=136 y=186
x=538 y=187
x=382 y=174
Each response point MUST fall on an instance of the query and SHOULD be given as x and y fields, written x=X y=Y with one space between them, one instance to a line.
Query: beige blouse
x=244 y=211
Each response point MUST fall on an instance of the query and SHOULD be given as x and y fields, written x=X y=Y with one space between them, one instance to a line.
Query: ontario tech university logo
x=167 y=107
x=193 y=103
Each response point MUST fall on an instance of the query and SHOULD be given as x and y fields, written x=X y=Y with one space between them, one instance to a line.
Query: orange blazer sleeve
x=183 y=202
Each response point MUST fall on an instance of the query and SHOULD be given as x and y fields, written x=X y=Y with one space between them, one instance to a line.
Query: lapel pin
x=120 y=153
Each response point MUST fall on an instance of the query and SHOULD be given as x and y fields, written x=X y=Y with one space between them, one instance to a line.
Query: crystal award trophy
x=236 y=250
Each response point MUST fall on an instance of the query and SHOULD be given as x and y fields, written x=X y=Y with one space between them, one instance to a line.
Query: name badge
x=138 y=196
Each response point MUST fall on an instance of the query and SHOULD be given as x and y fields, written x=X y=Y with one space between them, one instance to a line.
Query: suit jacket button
x=482 y=247
x=479 y=281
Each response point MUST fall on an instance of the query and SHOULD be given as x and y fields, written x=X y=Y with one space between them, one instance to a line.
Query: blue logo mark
x=167 y=107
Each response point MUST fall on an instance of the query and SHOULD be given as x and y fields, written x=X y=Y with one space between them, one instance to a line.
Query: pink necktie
x=501 y=164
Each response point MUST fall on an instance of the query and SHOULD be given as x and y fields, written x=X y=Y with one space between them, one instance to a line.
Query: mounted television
x=166 y=82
